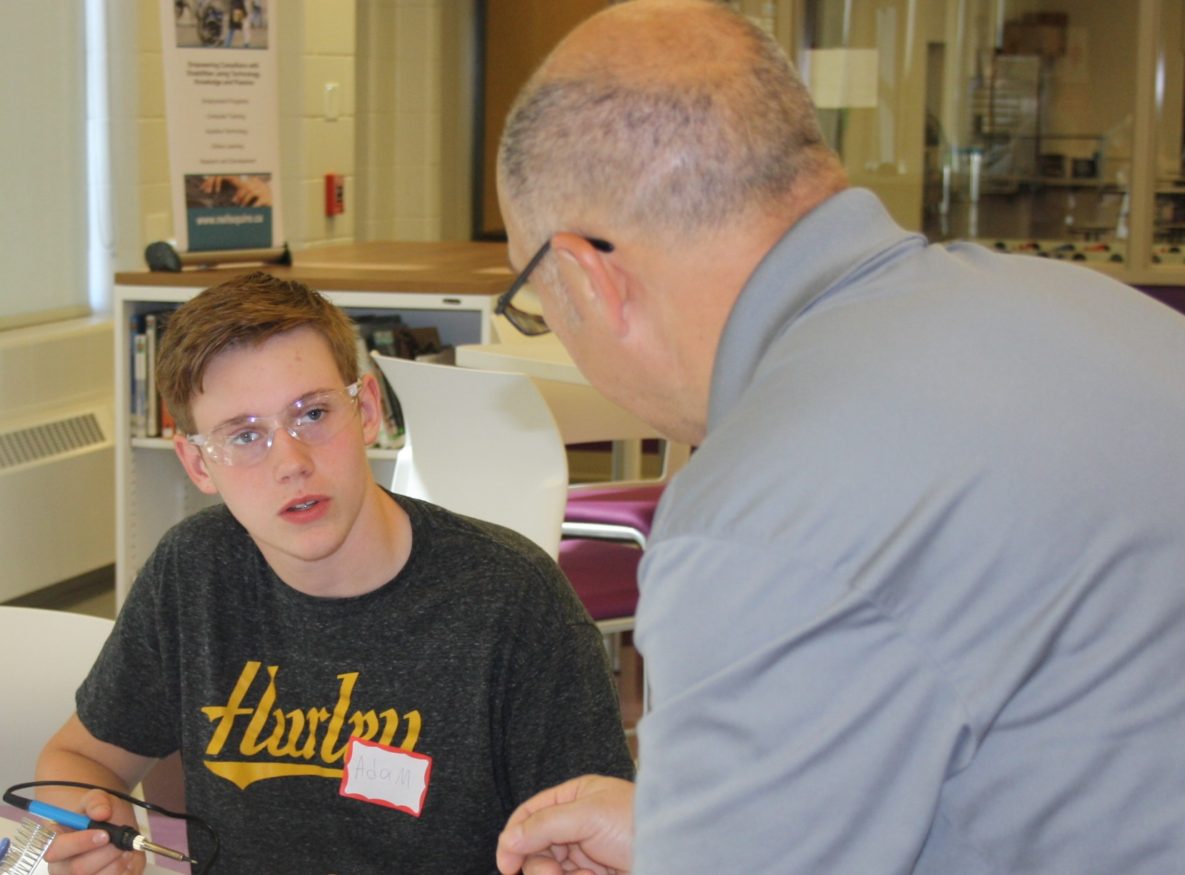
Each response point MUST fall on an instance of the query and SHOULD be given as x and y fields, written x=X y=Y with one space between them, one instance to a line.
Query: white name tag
x=387 y=776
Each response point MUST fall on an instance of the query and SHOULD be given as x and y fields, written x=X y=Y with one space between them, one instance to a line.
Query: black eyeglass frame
x=532 y=324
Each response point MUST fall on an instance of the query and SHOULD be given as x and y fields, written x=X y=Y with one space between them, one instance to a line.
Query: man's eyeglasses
x=312 y=420
x=532 y=324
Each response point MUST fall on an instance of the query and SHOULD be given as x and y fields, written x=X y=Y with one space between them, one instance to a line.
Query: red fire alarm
x=335 y=194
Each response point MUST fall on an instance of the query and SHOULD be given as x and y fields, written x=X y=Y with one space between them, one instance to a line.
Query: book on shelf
x=392 y=429
x=149 y=418
x=168 y=425
x=388 y=334
x=139 y=420
x=152 y=400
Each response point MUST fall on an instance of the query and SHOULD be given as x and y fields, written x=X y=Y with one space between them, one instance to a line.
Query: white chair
x=481 y=443
x=484 y=444
x=55 y=650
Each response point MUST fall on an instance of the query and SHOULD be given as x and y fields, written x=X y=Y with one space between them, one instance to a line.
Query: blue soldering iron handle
x=72 y=819
x=123 y=837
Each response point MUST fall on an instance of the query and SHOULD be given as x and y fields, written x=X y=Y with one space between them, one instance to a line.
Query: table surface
x=469 y=268
x=545 y=358
x=542 y=357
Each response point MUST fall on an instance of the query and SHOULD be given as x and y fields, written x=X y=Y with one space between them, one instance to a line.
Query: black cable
x=22 y=802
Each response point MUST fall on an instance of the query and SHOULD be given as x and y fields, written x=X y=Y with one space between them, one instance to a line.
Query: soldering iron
x=123 y=837
x=126 y=838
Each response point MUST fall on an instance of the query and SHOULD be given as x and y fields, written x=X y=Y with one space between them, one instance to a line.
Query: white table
x=542 y=357
x=545 y=358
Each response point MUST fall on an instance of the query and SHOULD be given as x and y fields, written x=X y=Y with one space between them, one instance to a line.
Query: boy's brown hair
x=246 y=310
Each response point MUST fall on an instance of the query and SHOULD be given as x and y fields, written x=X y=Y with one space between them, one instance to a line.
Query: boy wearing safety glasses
x=356 y=681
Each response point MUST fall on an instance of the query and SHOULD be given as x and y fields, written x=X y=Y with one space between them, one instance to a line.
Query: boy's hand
x=89 y=851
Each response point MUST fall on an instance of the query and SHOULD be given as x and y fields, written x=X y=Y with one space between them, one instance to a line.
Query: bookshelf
x=452 y=286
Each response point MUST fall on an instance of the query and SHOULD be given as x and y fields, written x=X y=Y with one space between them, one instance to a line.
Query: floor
x=92 y=594
x=98 y=604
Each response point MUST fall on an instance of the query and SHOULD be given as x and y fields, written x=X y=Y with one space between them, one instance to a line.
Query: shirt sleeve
x=126 y=699
x=792 y=721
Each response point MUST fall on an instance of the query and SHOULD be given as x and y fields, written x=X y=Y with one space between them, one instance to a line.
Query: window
x=43 y=236
x=1039 y=126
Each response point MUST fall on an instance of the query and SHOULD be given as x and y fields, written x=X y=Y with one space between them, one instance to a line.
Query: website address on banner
x=229 y=220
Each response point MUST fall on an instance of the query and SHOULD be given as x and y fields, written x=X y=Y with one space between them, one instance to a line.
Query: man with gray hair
x=913 y=604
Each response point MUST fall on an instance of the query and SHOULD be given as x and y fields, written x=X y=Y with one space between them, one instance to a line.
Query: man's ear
x=605 y=285
x=194 y=463
x=370 y=408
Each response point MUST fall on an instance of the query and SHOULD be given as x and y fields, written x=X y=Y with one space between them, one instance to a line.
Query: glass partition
x=1168 y=220
x=1005 y=121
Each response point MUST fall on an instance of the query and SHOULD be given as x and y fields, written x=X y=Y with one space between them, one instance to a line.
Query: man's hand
x=585 y=826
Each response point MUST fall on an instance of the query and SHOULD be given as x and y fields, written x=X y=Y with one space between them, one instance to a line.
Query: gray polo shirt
x=918 y=602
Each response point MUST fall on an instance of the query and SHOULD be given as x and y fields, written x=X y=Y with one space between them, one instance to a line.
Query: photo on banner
x=222 y=116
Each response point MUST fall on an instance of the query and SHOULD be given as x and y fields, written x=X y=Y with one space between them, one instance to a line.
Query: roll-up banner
x=222 y=116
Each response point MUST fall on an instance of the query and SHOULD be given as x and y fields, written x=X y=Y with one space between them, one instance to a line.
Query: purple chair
x=604 y=575
x=620 y=510
x=619 y=513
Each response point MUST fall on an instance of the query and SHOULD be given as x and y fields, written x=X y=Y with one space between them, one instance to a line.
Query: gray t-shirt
x=477 y=655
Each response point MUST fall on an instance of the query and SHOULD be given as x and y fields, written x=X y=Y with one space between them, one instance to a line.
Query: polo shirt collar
x=841 y=236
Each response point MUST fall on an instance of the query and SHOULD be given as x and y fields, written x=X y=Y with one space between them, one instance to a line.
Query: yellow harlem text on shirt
x=314 y=735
